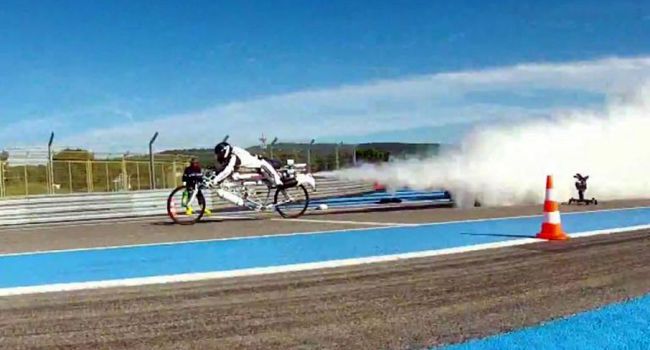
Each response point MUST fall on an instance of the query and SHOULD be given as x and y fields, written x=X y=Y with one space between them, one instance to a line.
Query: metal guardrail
x=114 y=205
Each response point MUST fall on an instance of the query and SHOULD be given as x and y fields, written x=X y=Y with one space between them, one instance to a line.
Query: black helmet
x=222 y=151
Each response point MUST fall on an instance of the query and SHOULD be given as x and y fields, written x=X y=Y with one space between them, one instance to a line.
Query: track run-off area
x=415 y=278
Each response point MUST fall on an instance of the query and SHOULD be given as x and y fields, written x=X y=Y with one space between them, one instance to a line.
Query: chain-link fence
x=39 y=171
x=34 y=172
x=26 y=172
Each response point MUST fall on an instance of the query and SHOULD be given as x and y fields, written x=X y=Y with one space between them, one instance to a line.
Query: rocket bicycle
x=187 y=204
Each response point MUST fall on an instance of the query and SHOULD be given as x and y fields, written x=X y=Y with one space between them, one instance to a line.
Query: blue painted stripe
x=403 y=193
x=233 y=254
x=617 y=326
x=376 y=204
x=376 y=200
x=374 y=197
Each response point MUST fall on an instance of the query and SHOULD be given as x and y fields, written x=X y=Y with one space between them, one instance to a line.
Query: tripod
x=581 y=186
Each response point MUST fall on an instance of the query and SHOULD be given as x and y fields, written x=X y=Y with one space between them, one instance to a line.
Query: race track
x=414 y=303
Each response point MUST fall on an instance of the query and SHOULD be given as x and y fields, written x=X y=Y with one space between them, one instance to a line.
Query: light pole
x=275 y=140
x=311 y=143
x=152 y=178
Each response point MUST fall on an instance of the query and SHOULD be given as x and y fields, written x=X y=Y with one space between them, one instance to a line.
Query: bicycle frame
x=240 y=188
x=195 y=193
x=244 y=186
x=246 y=191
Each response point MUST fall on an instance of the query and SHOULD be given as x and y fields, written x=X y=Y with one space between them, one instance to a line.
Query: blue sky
x=106 y=74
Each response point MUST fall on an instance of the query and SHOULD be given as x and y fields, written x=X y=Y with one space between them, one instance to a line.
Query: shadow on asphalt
x=204 y=221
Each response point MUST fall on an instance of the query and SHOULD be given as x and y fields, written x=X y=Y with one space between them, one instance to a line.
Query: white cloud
x=380 y=106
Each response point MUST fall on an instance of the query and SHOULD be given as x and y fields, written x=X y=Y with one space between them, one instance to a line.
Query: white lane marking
x=161 y=244
x=94 y=222
x=346 y=222
x=302 y=233
x=106 y=222
x=192 y=277
x=609 y=231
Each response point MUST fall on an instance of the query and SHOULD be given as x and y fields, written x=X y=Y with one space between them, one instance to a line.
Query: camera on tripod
x=581 y=186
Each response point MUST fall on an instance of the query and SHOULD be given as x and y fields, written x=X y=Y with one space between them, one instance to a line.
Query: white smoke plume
x=508 y=165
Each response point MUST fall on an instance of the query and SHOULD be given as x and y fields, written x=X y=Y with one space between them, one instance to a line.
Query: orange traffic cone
x=552 y=226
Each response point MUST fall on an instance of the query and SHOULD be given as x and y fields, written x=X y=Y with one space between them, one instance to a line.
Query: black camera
x=581 y=186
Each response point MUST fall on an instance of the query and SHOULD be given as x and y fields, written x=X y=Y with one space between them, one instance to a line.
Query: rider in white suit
x=234 y=157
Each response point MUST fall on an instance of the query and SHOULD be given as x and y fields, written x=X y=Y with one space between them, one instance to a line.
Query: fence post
x=174 y=173
x=108 y=181
x=48 y=177
x=26 y=181
x=52 y=176
x=152 y=171
x=309 y=160
x=70 y=176
x=137 y=173
x=163 y=175
x=50 y=166
x=89 y=176
x=2 y=179
x=125 y=177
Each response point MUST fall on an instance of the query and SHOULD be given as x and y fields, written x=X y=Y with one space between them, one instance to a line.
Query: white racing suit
x=241 y=157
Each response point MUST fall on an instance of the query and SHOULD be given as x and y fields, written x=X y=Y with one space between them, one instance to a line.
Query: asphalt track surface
x=160 y=229
x=413 y=303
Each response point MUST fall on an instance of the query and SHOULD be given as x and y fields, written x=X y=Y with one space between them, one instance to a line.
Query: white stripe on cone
x=552 y=217
x=550 y=195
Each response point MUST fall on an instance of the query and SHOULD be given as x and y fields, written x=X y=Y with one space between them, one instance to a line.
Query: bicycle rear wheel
x=182 y=208
x=291 y=202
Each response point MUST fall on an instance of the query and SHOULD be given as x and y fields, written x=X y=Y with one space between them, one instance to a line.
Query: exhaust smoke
x=508 y=165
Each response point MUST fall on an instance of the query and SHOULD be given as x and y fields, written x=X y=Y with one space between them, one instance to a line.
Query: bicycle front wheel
x=291 y=202
x=184 y=208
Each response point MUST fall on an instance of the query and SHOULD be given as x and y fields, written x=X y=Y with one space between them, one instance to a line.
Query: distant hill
x=323 y=154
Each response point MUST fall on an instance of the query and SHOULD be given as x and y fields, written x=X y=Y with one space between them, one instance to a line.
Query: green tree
x=73 y=154
x=372 y=155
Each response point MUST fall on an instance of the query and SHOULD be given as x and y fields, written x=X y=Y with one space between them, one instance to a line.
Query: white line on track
x=194 y=241
x=109 y=222
x=94 y=222
x=192 y=277
x=609 y=231
x=347 y=222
